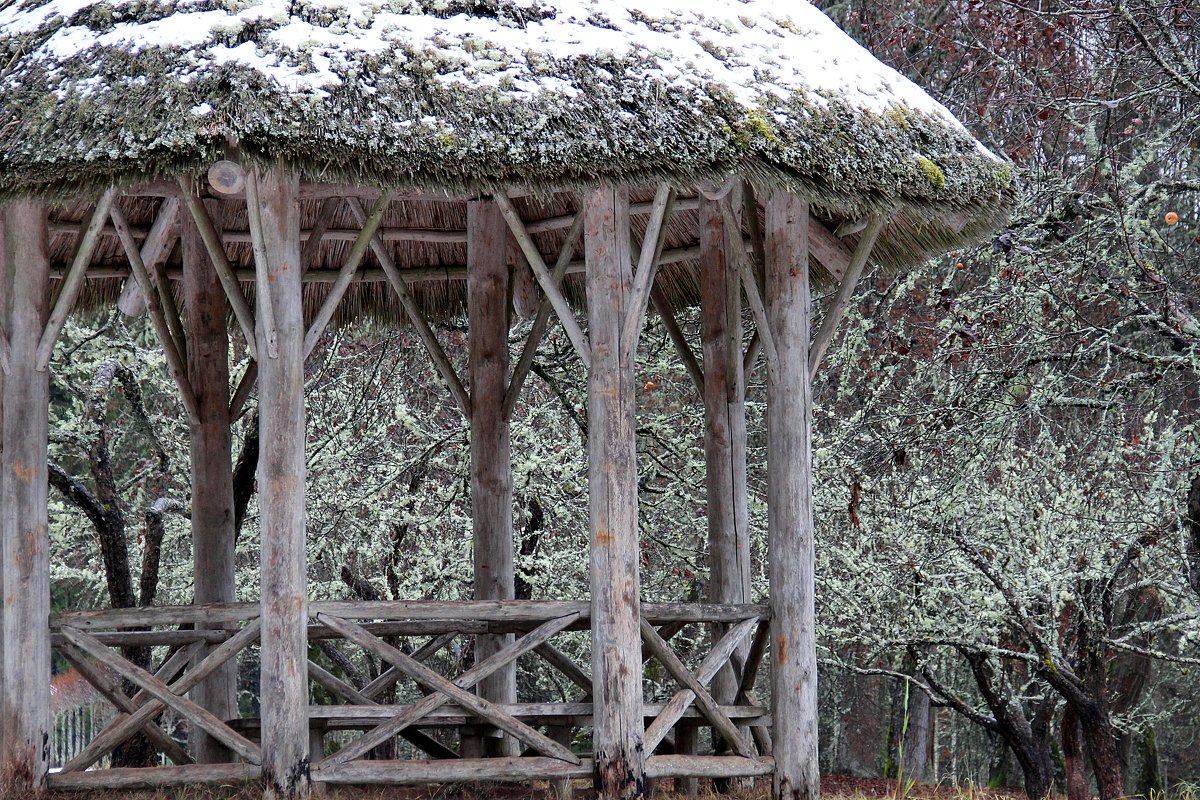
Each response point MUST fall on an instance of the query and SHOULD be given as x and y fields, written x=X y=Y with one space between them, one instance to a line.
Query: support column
x=724 y=424
x=491 y=462
x=212 y=469
x=789 y=497
x=23 y=489
x=618 y=731
x=281 y=476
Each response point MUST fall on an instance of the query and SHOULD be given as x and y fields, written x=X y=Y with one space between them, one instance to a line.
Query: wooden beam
x=266 y=331
x=25 y=546
x=841 y=302
x=663 y=307
x=155 y=250
x=643 y=280
x=618 y=735
x=791 y=555
x=241 y=395
x=388 y=677
x=154 y=777
x=314 y=237
x=73 y=280
x=220 y=261
x=346 y=274
x=828 y=249
x=491 y=459
x=750 y=286
x=467 y=770
x=421 y=325
x=534 y=256
x=158 y=321
x=538 y=329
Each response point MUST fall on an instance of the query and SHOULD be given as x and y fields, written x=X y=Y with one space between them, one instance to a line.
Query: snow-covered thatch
x=466 y=93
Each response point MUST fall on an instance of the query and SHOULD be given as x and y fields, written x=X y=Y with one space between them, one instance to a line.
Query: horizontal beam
x=539 y=713
x=154 y=777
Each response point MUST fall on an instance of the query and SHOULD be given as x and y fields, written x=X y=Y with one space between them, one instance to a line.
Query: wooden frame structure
x=752 y=246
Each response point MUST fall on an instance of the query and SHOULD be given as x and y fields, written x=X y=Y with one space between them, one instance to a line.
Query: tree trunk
x=1073 y=767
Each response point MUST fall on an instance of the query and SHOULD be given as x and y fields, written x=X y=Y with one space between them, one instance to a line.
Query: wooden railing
x=202 y=638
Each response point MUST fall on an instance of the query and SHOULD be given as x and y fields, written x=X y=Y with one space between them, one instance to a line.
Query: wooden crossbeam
x=73 y=280
x=828 y=249
x=388 y=677
x=312 y=245
x=541 y=320
x=544 y=278
x=149 y=707
x=755 y=227
x=647 y=267
x=164 y=694
x=749 y=284
x=440 y=360
x=445 y=691
x=833 y=316
x=708 y=706
x=563 y=663
x=686 y=354
x=346 y=273
x=175 y=359
x=156 y=248
x=112 y=692
x=241 y=394
x=262 y=287
x=220 y=261
x=709 y=667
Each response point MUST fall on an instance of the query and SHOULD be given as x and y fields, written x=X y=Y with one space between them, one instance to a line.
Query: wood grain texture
x=281 y=476
x=25 y=710
x=211 y=456
x=491 y=458
x=791 y=554
x=618 y=734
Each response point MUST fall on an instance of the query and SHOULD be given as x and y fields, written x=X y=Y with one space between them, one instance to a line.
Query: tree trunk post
x=281 y=476
x=618 y=728
x=724 y=424
x=212 y=470
x=789 y=493
x=491 y=472
x=24 y=526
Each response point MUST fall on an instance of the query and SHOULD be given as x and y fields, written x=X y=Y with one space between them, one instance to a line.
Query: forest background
x=1008 y=478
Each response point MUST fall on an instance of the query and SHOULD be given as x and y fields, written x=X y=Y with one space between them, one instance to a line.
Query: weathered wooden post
x=212 y=468
x=618 y=732
x=279 y=331
x=23 y=497
x=491 y=472
x=789 y=496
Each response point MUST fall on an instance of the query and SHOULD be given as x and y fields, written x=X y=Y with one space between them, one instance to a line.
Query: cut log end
x=227 y=178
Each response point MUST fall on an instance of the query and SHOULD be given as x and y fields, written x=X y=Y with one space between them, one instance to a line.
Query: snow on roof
x=459 y=91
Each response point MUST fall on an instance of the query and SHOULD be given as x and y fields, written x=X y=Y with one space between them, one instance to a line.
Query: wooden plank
x=72 y=284
x=156 y=248
x=113 y=693
x=164 y=694
x=666 y=656
x=491 y=458
x=220 y=261
x=120 y=728
x=663 y=307
x=421 y=325
x=841 y=302
x=154 y=777
x=345 y=274
x=449 y=689
x=613 y=503
x=175 y=360
x=713 y=662
x=283 y=682
x=465 y=770
x=708 y=766
x=468 y=679
x=791 y=555
x=534 y=256
x=211 y=460
x=540 y=713
x=542 y=319
x=25 y=549
x=643 y=280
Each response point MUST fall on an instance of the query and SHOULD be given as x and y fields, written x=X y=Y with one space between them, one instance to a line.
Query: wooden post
x=618 y=732
x=724 y=425
x=491 y=472
x=789 y=497
x=212 y=470
x=281 y=475
x=23 y=495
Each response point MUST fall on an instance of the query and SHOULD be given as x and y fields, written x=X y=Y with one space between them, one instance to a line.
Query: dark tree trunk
x=1073 y=767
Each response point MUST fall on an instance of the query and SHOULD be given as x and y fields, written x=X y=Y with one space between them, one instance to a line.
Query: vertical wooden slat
x=724 y=423
x=23 y=489
x=5 y=286
x=618 y=733
x=491 y=473
x=789 y=496
x=281 y=476
x=212 y=469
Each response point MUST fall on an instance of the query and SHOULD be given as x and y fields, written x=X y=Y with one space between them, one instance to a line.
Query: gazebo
x=257 y=170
